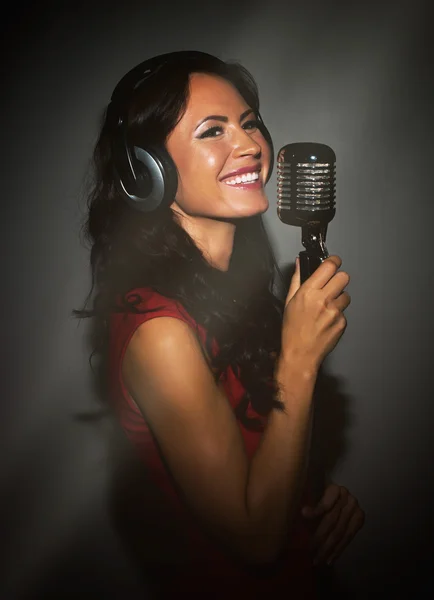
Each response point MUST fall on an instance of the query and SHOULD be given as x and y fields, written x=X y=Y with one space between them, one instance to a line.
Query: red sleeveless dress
x=209 y=573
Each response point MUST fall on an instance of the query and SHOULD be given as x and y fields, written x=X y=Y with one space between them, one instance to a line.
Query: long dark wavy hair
x=132 y=249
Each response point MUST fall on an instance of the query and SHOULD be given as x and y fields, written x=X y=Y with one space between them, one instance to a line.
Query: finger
x=354 y=526
x=343 y=301
x=328 y=500
x=327 y=525
x=295 y=281
x=323 y=273
x=336 y=285
x=333 y=539
x=330 y=521
x=330 y=497
x=329 y=545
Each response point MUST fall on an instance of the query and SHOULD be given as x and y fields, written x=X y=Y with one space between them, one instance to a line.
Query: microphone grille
x=306 y=183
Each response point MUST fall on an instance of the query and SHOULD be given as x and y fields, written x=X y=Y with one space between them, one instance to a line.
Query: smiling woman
x=210 y=374
x=222 y=169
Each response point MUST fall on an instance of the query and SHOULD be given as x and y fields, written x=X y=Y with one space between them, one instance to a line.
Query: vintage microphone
x=306 y=192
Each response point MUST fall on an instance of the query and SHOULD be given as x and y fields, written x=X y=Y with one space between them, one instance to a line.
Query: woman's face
x=221 y=156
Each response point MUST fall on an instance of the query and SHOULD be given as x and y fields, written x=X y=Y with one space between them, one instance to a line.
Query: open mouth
x=244 y=179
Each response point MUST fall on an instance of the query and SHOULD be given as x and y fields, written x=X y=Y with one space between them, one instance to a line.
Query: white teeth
x=245 y=178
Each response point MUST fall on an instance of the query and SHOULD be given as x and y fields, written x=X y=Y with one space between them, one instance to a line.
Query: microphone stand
x=313 y=238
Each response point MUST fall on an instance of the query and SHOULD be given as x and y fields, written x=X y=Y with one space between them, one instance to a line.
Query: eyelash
x=209 y=132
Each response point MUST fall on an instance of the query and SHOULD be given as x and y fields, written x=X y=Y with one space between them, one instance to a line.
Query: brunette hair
x=132 y=249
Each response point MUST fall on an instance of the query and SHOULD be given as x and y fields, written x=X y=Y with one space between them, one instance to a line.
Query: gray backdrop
x=356 y=76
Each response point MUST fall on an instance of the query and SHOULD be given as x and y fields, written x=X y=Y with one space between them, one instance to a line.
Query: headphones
x=147 y=174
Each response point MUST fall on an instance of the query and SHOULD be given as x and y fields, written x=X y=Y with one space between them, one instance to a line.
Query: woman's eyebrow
x=222 y=118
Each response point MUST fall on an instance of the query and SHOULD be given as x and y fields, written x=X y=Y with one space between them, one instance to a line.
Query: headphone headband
x=136 y=76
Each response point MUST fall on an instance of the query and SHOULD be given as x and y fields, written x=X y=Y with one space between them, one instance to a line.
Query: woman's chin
x=256 y=204
x=255 y=208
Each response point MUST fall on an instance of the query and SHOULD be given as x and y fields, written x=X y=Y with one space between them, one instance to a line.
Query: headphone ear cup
x=151 y=180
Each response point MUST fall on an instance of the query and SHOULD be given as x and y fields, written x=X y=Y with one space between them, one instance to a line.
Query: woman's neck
x=214 y=238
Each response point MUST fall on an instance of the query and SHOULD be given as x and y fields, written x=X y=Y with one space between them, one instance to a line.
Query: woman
x=211 y=375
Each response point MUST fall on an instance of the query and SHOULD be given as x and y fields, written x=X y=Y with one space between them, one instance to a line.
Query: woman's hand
x=313 y=320
x=337 y=518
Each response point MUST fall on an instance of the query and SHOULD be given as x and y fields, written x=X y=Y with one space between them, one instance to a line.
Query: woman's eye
x=211 y=132
x=253 y=124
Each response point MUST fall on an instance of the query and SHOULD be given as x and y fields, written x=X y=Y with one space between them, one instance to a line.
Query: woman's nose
x=245 y=144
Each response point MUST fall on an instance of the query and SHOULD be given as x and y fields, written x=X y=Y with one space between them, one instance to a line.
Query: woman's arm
x=247 y=506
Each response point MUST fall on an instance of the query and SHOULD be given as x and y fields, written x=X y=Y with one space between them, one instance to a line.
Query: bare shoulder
x=162 y=333
x=165 y=352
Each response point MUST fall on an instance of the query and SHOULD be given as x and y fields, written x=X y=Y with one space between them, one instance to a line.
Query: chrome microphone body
x=306 y=192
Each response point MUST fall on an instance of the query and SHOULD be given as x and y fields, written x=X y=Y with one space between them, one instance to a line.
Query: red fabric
x=293 y=576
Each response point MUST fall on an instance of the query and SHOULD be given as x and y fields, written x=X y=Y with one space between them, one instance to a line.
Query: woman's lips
x=243 y=171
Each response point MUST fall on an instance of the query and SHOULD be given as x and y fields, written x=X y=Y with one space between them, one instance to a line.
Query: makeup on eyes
x=251 y=124
x=222 y=118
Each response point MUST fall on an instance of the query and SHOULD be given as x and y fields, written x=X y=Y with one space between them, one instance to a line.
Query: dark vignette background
x=357 y=76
